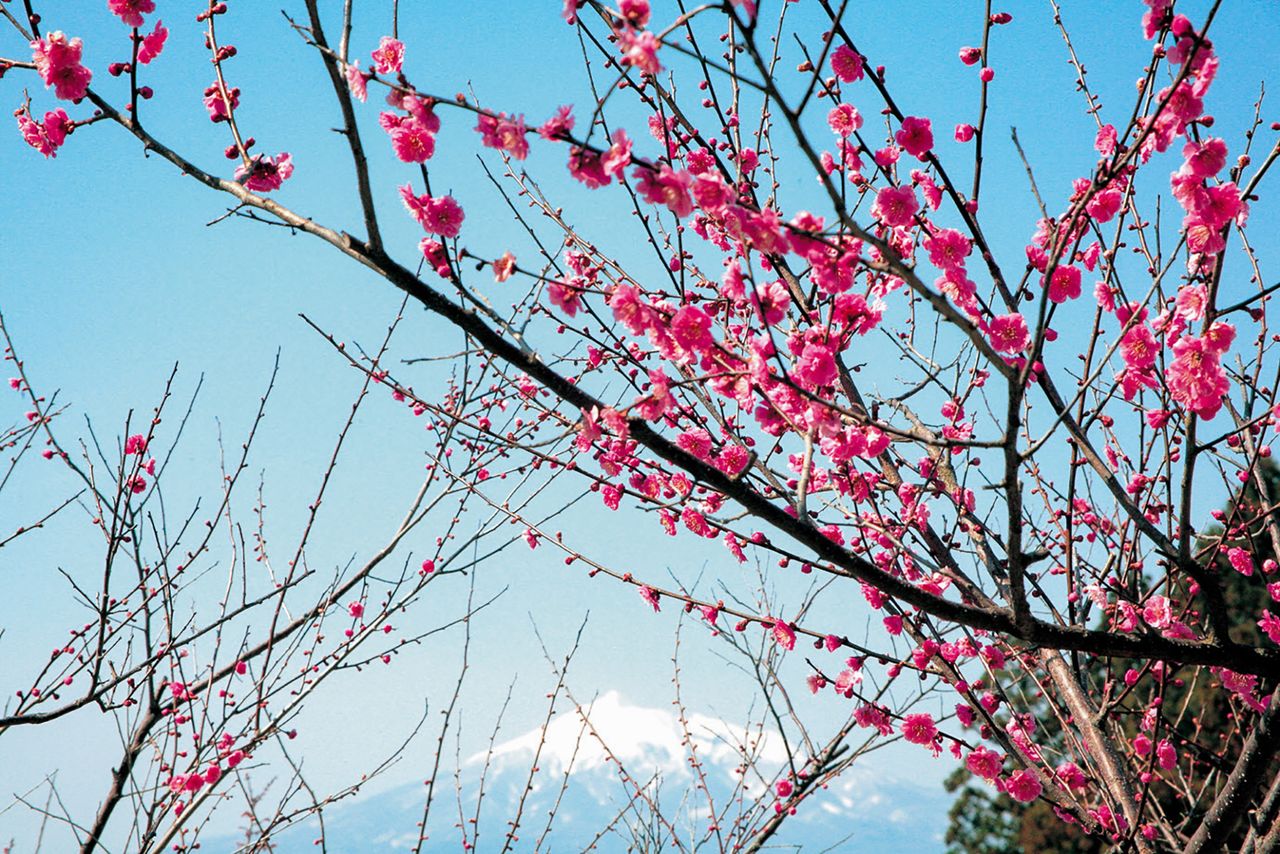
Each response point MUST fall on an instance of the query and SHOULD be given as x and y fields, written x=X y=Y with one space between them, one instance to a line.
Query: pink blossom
x=564 y=296
x=57 y=60
x=1166 y=755
x=982 y=762
x=640 y=50
x=896 y=206
x=771 y=301
x=440 y=215
x=916 y=136
x=1105 y=142
x=1195 y=378
x=919 y=728
x=136 y=444
x=650 y=595
x=504 y=134
x=1157 y=612
x=504 y=267
x=1204 y=159
x=635 y=12
x=131 y=11
x=618 y=157
x=587 y=166
x=1191 y=302
x=558 y=126
x=816 y=366
x=844 y=120
x=1023 y=786
x=847 y=63
x=412 y=142
x=357 y=82
x=1241 y=561
x=1064 y=284
x=667 y=187
x=970 y=55
x=389 y=57
x=1104 y=205
x=437 y=257
x=265 y=174
x=220 y=102
x=947 y=249
x=47 y=136
x=1008 y=333
x=1271 y=625
x=783 y=634
x=356 y=609
x=691 y=328
x=964 y=132
x=152 y=43
x=659 y=400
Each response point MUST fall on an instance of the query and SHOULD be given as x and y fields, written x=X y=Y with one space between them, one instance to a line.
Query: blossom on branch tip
x=357 y=82
x=45 y=136
x=640 y=50
x=847 y=63
x=634 y=12
x=844 y=120
x=131 y=11
x=440 y=215
x=152 y=43
x=57 y=60
x=389 y=57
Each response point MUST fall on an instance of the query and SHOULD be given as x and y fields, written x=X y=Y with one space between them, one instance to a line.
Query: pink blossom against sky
x=141 y=282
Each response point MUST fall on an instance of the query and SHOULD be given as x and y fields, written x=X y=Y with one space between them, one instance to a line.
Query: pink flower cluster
x=389 y=57
x=57 y=61
x=265 y=174
x=45 y=136
x=151 y=45
x=592 y=168
x=639 y=46
x=412 y=134
x=221 y=101
x=131 y=11
x=505 y=134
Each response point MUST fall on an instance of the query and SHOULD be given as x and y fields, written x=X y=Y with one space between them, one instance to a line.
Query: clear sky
x=109 y=276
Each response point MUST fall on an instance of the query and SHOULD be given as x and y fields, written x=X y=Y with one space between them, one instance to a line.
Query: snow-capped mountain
x=620 y=777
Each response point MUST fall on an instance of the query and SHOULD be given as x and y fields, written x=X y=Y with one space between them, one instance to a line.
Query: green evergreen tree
x=984 y=821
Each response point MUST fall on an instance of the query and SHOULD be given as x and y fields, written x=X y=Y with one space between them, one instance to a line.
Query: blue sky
x=109 y=276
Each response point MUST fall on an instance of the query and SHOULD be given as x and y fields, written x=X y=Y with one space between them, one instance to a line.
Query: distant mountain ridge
x=863 y=811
